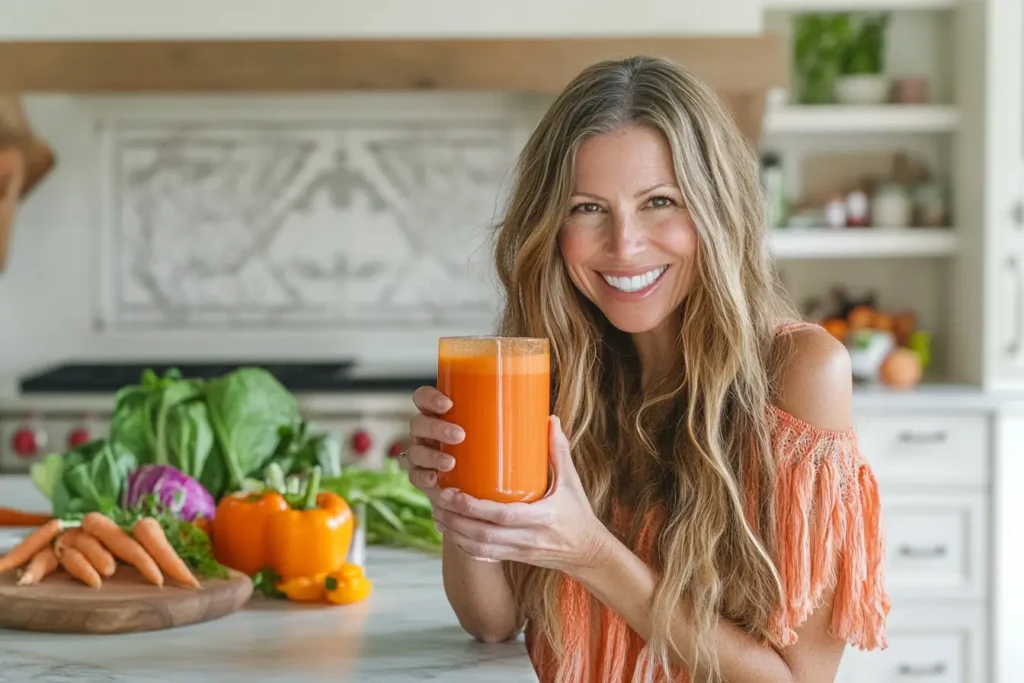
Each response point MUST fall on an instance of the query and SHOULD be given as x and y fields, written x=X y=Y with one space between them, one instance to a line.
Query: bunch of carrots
x=89 y=551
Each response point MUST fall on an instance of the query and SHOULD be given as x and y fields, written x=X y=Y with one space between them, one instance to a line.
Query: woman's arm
x=626 y=584
x=479 y=594
x=477 y=591
x=817 y=388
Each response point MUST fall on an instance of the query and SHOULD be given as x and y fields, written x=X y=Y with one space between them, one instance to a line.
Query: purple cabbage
x=183 y=496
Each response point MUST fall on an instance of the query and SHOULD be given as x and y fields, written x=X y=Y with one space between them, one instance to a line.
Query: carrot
x=42 y=564
x=31 y=544
x=75 y=564
x=122 y=546
x=151 y=535
x=65 y=540
x=11 y=517
x=98 y=556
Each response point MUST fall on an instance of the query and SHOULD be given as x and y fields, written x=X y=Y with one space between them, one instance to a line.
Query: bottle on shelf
x=773 y=180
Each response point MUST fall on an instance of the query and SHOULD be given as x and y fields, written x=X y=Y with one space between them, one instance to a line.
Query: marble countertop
x=405 y=631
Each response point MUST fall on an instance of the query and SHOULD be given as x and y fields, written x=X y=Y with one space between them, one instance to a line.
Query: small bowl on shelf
x=862 y=89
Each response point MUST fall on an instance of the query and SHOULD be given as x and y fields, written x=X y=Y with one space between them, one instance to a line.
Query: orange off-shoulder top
x=830 y=533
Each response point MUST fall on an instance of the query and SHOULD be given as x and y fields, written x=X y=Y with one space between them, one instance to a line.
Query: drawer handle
x=940 y=550
x=936 y=669
x=1013 y=348
x=923 y=437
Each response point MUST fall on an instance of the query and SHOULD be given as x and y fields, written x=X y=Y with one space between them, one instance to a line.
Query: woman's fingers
x=428 y=458
x=430 y=400
x=426 y=427
x=482 y=539
x=423 y=479
x=513 y=515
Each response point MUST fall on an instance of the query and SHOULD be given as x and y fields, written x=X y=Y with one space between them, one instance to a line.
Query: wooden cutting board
x=126 y=603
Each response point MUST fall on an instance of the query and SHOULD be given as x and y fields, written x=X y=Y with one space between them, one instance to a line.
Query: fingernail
x=447 y=495
x=443 y=404
x=447 y=463
x=455 y=433
x=441 y=527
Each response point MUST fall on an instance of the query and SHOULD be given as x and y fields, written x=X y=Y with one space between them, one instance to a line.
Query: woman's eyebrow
x=656 y=186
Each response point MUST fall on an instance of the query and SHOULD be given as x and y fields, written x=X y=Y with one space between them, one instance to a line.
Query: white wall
x=331 y=18
x=59 y=293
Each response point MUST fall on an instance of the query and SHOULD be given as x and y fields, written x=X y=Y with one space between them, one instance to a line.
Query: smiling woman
x=710 y=515
x=628 y=236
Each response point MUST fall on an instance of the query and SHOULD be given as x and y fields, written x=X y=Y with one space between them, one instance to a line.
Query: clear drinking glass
x=500 y=388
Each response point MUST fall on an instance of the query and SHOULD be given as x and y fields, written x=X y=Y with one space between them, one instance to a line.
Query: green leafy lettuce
x=90 y=478
x=222 y=433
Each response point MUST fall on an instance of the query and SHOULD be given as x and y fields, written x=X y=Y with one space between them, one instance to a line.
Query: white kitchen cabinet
x=936 y=546
x=324 y=19
x=934 y=469
x=932 y=447
x=1008 y=558
x=1003 y=193
x=926 y=645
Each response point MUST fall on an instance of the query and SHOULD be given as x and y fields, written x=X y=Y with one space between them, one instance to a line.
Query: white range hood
x=332 y=19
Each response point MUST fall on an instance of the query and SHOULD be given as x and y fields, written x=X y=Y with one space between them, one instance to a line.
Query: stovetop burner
x=296 y=376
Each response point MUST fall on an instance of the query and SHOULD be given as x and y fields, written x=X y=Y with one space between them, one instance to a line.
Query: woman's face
x=628 y=241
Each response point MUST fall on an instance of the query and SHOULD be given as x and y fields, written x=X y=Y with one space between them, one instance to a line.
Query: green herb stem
x=312 y=488
x=275 y=478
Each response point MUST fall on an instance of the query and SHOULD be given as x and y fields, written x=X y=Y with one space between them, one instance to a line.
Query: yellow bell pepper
x=304 y=589
x=347 y=585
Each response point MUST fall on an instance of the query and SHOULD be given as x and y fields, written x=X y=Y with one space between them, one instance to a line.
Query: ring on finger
x=403 y=458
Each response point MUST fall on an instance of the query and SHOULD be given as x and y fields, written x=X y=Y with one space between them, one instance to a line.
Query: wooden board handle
x=15 y=130
x=12 y=181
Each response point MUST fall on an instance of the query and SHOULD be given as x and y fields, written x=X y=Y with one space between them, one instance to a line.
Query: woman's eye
x=586 y=207
x=661 y=202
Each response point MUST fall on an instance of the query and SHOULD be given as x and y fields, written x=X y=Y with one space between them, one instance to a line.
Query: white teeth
x=635 y=283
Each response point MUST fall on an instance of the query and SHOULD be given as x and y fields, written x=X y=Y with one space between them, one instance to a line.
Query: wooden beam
x=729 y=64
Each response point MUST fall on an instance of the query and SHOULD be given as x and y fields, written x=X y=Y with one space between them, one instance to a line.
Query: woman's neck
x=657 y=351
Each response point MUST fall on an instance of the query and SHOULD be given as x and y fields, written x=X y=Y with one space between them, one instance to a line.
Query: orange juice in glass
x=500 y=388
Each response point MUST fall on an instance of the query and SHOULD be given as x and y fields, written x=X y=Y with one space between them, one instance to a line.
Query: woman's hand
x=423 y=460
x=559 y=531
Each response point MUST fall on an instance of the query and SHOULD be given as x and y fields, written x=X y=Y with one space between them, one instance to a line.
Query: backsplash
x=270 y=224
x=356 y=224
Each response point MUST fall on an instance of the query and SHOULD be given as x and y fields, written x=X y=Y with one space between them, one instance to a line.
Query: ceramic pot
x=862 y=89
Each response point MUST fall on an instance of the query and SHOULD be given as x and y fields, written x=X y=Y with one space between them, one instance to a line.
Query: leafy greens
x=222 y=433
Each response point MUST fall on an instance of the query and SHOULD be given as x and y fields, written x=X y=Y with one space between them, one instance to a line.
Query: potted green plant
x=862 y=78
x=819 y=43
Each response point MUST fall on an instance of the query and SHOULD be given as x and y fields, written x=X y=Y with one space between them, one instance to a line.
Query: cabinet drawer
x=919 y=448
x=926 y=645
x=936 y=545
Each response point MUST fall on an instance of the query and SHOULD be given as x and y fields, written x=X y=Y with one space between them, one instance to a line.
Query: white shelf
x=826 y=243
x=859 y=5
x=886 y=118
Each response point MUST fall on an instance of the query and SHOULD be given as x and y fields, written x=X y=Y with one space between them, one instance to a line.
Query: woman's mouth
x=634 y=286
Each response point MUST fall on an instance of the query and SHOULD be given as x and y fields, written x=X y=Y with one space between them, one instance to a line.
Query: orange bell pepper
x=239 y=530
x=313 y=539
x=347 y=585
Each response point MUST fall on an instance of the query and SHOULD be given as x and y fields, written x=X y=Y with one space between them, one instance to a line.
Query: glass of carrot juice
x=500 y=388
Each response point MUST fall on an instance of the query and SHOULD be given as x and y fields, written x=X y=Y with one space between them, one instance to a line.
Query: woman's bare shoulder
x=816 y=380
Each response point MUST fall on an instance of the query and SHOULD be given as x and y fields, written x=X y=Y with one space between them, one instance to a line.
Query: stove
x=66 y=405
x=297 y=377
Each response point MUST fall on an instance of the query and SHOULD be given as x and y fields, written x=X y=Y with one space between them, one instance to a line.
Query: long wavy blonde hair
x=690 y=439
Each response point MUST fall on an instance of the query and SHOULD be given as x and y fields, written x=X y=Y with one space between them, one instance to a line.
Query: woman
x=710 y=515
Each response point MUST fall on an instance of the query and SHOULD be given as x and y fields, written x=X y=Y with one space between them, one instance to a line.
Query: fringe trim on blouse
x=830 y=533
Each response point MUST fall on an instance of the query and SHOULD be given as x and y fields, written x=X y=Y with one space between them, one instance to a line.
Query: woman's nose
x=627 y=237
